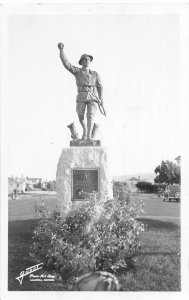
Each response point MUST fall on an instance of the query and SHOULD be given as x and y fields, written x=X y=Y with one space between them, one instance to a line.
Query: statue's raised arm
x=65 y=61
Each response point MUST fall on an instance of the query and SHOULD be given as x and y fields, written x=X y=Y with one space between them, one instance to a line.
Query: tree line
x=167 y=173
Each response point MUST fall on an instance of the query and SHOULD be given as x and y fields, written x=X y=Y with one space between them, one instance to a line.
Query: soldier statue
x=90 y=91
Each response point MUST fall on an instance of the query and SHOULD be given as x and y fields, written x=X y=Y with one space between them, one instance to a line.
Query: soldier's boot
x=95 y=130
x=83 y=124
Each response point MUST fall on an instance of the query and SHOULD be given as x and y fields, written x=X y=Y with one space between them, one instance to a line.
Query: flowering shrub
x=121 y=191
x=99 y=234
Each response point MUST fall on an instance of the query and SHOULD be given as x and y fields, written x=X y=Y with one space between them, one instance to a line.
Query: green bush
x=98 y=234
x=147 y=187
x=121 y=191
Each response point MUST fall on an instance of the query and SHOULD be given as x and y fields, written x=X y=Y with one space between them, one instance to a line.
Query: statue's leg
x=81 y=113
x=91 y=109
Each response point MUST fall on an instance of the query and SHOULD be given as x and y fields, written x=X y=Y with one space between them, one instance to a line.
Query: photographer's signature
x=42 y=277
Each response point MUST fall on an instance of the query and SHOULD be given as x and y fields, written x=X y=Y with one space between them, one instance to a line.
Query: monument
x=82 y=168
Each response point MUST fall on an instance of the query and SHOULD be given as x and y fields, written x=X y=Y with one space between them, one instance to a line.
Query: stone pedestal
x=80 y=170
x=85 y=143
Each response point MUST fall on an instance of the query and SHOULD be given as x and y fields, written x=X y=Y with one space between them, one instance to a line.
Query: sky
x=138 y=59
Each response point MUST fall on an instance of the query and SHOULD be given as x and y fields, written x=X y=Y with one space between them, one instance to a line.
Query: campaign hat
x=83 y=56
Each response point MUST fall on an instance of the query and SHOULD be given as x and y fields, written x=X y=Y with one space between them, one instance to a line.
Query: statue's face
x=86 y=61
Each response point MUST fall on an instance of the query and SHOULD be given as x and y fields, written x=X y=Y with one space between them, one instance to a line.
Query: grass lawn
x=20 y=240
x=157 y=266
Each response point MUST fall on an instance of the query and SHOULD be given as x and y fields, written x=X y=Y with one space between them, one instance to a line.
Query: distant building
x=21 y=185
x=12 y=185
x=134 y=179
x=30 y=182
x=44 y=184
x=132 y=184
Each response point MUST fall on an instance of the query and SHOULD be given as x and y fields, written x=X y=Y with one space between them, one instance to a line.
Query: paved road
x=24 y=207
x=154 y=207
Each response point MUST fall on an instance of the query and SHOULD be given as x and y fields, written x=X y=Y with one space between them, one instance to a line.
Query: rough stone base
x=81 y=158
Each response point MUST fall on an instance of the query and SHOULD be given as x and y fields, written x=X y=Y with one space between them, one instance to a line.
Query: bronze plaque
x=84 y=182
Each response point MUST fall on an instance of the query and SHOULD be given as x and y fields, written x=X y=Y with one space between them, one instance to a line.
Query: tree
x=51 y=185
x=37 y=185
x=167 y=172
x=147 y=187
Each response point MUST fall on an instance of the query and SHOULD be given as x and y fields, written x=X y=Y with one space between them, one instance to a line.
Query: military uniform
x=89 y=88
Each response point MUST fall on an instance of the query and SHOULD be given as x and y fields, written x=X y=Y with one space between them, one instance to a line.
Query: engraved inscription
x=84 y=182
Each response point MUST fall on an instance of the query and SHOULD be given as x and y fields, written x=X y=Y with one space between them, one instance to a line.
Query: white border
x=53 y=9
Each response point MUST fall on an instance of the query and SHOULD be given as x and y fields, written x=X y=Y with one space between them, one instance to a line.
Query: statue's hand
x=61 y=46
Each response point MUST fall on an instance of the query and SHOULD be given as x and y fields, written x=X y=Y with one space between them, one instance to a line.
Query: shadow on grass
x=159 y=225
x=21 y=230
x=20 y=235
x=19 y=241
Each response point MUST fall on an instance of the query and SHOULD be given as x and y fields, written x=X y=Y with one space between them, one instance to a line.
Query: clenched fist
x=61 y=46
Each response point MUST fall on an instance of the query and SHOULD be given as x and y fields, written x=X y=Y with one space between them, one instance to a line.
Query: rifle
x=101 y=108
